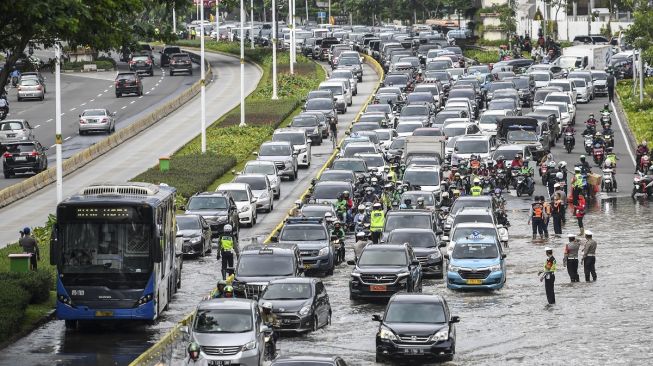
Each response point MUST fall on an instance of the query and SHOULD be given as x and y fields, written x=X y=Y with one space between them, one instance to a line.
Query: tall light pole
x=242 y=65
x=641 y=76
x=274 y=50
x=57 y=129
x=329 y=12
x=306 y=4
x=202 y=81
x=217 y=20
x=291 y=4
x=174 y=21
x=294 y=32
x=251 y=22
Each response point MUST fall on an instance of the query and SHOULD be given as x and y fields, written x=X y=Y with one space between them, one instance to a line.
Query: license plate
x=11 y=135
x=307 y=266
x=20 y=158
x=103 y=313
x=414 y=351
x=219 y=363
x=378 y=288
x=474 y=282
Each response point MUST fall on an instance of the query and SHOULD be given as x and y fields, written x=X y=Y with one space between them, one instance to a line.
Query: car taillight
x=7 y=155
x=105 y=120
x=34 y=153
x=149 y=62
x=131 y=62
x=39 y=87
x=19 y=88
x=81 y=121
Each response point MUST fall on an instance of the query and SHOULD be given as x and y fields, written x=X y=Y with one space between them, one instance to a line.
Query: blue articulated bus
x=116 y=252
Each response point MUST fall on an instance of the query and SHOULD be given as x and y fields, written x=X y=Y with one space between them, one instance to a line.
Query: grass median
x=225 y=140
x=638 y=115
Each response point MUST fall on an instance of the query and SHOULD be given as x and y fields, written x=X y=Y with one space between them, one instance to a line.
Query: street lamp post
x=251 y=22
x=242 y=65
x=291 y=12
x=174 y=21
x=202 y=81
x=58 y=140
x=306 y=4
x=217 y=20
x=274 y=50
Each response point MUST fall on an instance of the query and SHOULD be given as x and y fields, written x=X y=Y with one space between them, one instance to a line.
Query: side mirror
x=351 y=263
x=274 y=238
x=255 y=153
x=454 y=319
x=80 y=116
x=253 y=200
x=377 y=318
x=55 y=255
x=504 y=255
x=446 y=256
x=442 y=245
x=184 y=329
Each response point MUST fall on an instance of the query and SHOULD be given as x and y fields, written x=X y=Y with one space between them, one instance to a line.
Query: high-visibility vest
x=476 y=190
x=377 y=219
x=537 y=210
x=578 y=182
x=226 y=243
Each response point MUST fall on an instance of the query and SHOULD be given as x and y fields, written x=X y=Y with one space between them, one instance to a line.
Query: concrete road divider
x=28 y=186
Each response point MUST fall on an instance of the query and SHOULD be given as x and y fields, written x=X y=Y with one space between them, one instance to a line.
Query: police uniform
x=589 y=258
x=227 y=253
x=549 y=279
x=571 y=258
x=377 y=220
x=476 y=190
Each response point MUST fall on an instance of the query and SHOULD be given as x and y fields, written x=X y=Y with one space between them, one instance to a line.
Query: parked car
x=195 y=233
x=128 y=83
x=94 y=120
x=23 y=157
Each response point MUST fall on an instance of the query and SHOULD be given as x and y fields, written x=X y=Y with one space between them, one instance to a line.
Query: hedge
x=13 y=301
x=79 y=65
x=191 y=172
x=639 y=115
x=484 y=57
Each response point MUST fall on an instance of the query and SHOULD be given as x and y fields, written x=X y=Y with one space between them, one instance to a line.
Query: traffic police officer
x=548 y=276
x=570 y=259
x=226 y=250
x=476 y=189
x=377 y=220
x=589 y=257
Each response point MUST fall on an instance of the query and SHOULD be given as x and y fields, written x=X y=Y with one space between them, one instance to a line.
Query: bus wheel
x=71 y=324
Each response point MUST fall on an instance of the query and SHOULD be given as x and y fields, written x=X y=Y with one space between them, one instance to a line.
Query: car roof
x=227 y=186
x=260 y=162
x=473 y=225
x=417 y=298
x=425 y=168
x=412 y=230
x=277 y=143
x=411 y=212
x=396 y=247
x=474 y=198
x=460 y=124
x=474 y=211
x=228 y=303
x=251 y=175
x=289 y=130
x=474 y=137
x=295 y=280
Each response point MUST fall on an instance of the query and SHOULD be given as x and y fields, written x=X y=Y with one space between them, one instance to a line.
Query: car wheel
x=118 y=95
x=316 y=324
x=80 y=132
x=278 y=195
x=190 y=73
x=20 y=99
x=7 y=174
x=171 y=73
x=42 y=97
x=293 y=176
x=71 y=324
x=449 y=357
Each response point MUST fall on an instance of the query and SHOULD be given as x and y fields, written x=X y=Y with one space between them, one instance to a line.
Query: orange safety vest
x=537 y=210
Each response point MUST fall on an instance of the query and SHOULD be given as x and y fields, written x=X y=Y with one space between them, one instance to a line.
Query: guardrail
x=164 y=351
x=41 y=180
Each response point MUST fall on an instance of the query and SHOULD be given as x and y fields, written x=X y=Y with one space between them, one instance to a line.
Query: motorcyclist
x=387 y=195
x=361 y=217
x=591 y=121
x=374 y=182
x=420 y=203
x=585 y=166
x=551 y=179
x=445 y=200
x=589 y=130
x=361 y=243
x=606 y=108
x=569 y=129
x=218 y=291
x=377 y=221
x=598 y=140
x=15 y=76
x=338 y=231
x=642 y=150
x=369 y=195
x=342 y=207
x=229 y=292
x=195 y=357
x=500 y=163
x=407 y=204
x=271 y=320
x=517 y=162
x=611 y=163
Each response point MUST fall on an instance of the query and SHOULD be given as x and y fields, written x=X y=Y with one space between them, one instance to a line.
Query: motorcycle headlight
x=304 y=311
x=195 y=240
x=440 y=336
x=249 y=345
x=385 y=333
x=244 y=209
x=323 y=251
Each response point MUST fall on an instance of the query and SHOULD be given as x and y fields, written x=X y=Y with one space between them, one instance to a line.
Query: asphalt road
x=82 y=91
x=52 y=343
x=139 y=153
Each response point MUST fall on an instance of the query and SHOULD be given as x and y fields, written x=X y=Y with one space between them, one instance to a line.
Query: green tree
x=640 y=33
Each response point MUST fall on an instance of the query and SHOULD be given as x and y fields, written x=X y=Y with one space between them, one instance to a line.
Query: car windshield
x=345 y=74
x=500 y=105
x=275 y=150
x=316 y=211
x=499 y=86
x=304 y=121
x=541 y=76
x=188 y=222
x=323 y=191
x=475 y=251
x=508 y=154
x=288 y=291
x=319 y=104
x=422 y=97
x=348 y=61
x=29 y=82
x=489 y=119
x=410 y=312
x=564 y=86
x=329 y=176
x=303 y=233
x=335 y=89
x=437 y=75
x=521 y=135
x=383 y=257
x=441 y=117
x=383 y=135
x=255 y=183
x=557 y=98
x=351 y=150
x=263 y=265
x=126 y=77
x=454 y=131
x=438 y=65
x=404 y=221
x=580 y=83
x=422 y=177
x=357 y=166
x=541 y=95
x=482 y=218
x=398 y=144
x=373 y=161
x=415 y=239
x=8 y=126
x=260 y=169
x=521 y=83
x=295 y=138
x=483 y=69
x=461 y=233
x=408 y=127
x=599 y=76
x=378 y=108
x=396 y=79
x=181 y=57
x=410 y=111
x=223 y=321
x=207 y=203
x=94 y=112
x=472 y=147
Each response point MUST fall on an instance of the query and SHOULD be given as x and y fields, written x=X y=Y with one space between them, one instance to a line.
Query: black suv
x=416 y=219
x=128 y=83
x=425 y=245
x=22 y=157
x=180 y=62
x=383 y=270
x=166 y=54
x=217 y=208
x=260 y=264
x=141 y=64
x=314 y=241
x=416 y=326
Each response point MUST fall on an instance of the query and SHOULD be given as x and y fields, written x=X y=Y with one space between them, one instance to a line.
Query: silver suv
x=283 y=155
x=229 y=331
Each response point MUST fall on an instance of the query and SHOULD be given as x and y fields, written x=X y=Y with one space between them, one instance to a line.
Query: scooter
x=569 y=141
x=589 y=141
x=524 y=185
x=642 y=184
x=599 y=154
x=270 y=352
x=607 y=183
x=605 y=118
x=644 y=163
x=609 y=141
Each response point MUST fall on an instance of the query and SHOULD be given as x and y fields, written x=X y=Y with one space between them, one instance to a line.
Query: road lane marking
x=48 y=121
x=123 y=107
x=72 y=109
x=52 y=146
x=152 y=89
x=140 y=97
x=147 y=92
x=92 y=100
x=63 y=113
x=623 y=133
x=67 y=138
x=99 y=95
x=132 y=102
x=106 y=90
x=37 y=126
x=83 y=104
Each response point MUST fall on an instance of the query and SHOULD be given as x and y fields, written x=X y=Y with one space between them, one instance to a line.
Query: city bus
x=116 y=252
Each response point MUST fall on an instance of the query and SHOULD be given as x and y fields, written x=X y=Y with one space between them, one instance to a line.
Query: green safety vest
x=226 y=243
x=377 y=219
x=476 y=190
x=578 y=183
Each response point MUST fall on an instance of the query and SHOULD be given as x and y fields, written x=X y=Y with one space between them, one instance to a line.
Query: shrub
x=37 y=284
x=191 y=172
x=261 y=112
x=79 y=65
x=484 y=57
x=639 y=115
x=13 y=301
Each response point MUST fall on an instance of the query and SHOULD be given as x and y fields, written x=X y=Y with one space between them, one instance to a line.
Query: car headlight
x=221 y=218
x=449 y=220
x=249 y=345
x=495 y=268
x=356 y=275
x=263 y=196
x=385 y=333
x=195 y=240
x=323 y=251
x=454 y=268
x=434 y=256
x=244 y=209
x=440 y=336
x=304 y=311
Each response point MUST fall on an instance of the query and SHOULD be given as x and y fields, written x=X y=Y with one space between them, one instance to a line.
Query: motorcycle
x=605 y=118
x=270 y=352
x=642 y=184
x=589 y=141
x=598 y=153
x=644 y=163
x=569 y=141
x=524 y=185
x=544 y=167
x=609 y=141
x=338 y=247
x=607 y=183
x=501 y=179
x=514 y=174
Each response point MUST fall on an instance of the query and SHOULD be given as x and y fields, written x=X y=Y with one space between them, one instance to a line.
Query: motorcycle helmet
x=562 y=164
x=227 y=228
x=608 y=149
x=591 y=115
x=369 y=190
x=644 y=143
x=298 y=203
x=388 y=186
x=228 y=291
x=559 y=175
x=606 y=106
x=361 y=207
x=222 y=283
x=582 y=158
x=337 y=224
x=266 y=305
x=577 y=169
x=194 y=351
x=500 y=157
x=360 y=235
x=552 y=164
x=328 y=216
x=445 y=194
x=376 y=206
x=420 y=200
x=598 y=134
x=497 y=191
x=346 y=193
x=386 y=168
x=477 y=181
x=374 y=180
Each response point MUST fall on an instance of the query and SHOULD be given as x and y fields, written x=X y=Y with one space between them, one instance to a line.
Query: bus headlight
x=144 y=299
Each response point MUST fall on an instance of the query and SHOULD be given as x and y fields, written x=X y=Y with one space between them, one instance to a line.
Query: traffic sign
x=321 y=14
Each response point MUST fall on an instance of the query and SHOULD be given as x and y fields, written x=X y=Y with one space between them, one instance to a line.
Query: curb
x=23 y=189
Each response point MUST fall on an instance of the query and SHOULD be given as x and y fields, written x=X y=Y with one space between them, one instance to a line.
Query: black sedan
x=300 y=303
x=196 y=233
x=416 y=326
x=309 y=361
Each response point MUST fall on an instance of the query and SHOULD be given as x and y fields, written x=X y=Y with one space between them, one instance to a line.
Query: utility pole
x=274 y=50
x=291 y=12
x=57 y=138
x=641 y=77
x=174 y=21
x=202 y=81
x=329 y=12
x=306 y=4
x=242 y=65
x=251 y=22
x=217 y=20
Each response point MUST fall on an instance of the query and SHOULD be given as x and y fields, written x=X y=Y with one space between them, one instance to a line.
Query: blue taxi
x=477 y=262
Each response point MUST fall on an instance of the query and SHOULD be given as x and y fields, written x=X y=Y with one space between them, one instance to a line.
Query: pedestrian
x=579 y=211
x=226 y=248
x=536 y=216
x=557 y=212
x=377 y=220
x=29 y=245
x=193 y=32
x=548 y=276
x=545 y=219
x=571 y=258
x=589 y=257
x=610 y=82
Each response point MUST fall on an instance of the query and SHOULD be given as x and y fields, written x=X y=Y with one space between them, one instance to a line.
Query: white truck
x=585 y=57
x=432 y=146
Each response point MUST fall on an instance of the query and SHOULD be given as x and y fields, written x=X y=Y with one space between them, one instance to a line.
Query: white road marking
x=623 y=133
x=140 y=97
x=147 y=92
x=48 y=121
x=67 y=138
x=92 y=100
x=83 y=104
x=132 y=102
x=106 y=90
x=63 y=113
x=123 y=107
x=52 y=146
x=72 y=109
x=99 y=95
x=37 y=126
x=152 y=89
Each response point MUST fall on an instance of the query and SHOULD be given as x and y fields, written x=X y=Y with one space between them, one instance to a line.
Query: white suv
x=245 y=201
